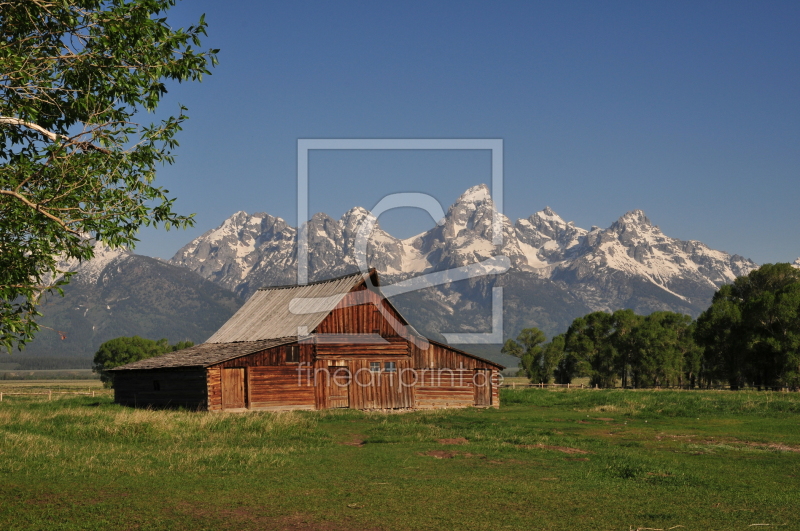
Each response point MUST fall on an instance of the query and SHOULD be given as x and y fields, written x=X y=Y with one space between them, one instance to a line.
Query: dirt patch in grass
x=576 y=458
x=605 y=419
x=507 y=462
x=565 y=449
x=442 y=454
x=355 y=440
x=775 y=446
x=731 y=441
x=458 y=440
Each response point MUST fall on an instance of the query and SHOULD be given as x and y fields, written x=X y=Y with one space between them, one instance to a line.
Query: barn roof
x=281 y=311
x=205 y=355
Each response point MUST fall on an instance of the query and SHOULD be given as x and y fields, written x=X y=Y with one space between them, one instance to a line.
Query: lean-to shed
x=337 y=343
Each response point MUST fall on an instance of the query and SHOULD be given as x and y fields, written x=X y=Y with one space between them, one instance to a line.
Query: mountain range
x=556 y=271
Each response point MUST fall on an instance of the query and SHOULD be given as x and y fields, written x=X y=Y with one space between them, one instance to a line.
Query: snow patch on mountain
x=89 y=271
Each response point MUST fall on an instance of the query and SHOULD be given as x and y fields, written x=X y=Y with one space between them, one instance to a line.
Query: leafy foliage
x=750 y=335
x=751 y=332
x=124 y=350
x=75 y=166
x=527 y=346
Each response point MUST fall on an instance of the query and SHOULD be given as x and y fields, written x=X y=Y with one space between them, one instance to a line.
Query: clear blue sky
x=689 y=111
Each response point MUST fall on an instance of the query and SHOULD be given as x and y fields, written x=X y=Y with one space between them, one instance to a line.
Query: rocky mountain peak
x=355 y=217
x=476 y=195
x=635 y=217
x=89 y=271
x=550 y=215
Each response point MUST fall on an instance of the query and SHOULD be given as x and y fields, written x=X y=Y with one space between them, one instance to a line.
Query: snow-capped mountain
x=89 y=271
x=630 y=264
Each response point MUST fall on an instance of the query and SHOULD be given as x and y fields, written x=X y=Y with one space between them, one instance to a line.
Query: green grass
x=546 y=460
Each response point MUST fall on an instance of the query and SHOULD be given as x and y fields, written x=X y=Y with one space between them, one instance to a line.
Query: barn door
x=233 y=389
x=338 y=386
x=483 y=387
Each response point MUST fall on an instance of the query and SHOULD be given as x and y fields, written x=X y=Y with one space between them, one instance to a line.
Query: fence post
x=567 y=385
x=50 y=394
x=92 y=394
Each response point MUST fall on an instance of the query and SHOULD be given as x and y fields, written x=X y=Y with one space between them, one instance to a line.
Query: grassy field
x=578 y=459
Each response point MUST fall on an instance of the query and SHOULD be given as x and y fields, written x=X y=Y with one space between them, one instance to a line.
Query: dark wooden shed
x=338 y=343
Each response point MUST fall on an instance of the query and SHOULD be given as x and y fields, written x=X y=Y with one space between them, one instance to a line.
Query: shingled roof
x=281 y=311
x=205 y=355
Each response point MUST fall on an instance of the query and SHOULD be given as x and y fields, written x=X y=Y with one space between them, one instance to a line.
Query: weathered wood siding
x=474 y=382
x=365 y=389
x=362 y=318
x=271 y=381
x=444 y=388
x=380 y=390
x=439 y=356
x=390 y=348
x=234 y=388
x=185 y=387
x=285 y=387
x=214 y=386
x=273 y=357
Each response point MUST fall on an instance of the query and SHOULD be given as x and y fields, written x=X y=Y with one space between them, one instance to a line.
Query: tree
x=719 y=329
x=752 y=329
x=124 y=350
x=550 y=358
x=75 y=165
x=531 y=340
x=588 y=341
x=659 y=352
x=527 y=347
x=624 y=323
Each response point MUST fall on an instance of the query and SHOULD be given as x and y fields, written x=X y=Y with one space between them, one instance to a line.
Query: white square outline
x=495 y=145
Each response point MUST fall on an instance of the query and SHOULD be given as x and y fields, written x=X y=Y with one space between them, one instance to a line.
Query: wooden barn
x=337 y=343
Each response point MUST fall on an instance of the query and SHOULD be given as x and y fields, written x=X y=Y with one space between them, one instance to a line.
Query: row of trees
x=749 y=336
x=124 y=350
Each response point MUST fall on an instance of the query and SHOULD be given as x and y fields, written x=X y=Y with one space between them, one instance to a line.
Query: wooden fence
x=515 y=385
x=49 y=393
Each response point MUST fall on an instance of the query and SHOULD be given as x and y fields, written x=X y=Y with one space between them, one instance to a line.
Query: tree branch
x=38 y=208
x=16 y=121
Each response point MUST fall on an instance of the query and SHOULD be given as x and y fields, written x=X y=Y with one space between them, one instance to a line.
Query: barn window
x=374 y=366
x=156 y=385
x=293 y=354
x=390 y=366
